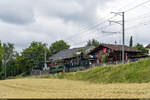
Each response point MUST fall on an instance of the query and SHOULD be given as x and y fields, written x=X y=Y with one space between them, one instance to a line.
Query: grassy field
x=131 y=80
x=137 y=72
x=56 y=88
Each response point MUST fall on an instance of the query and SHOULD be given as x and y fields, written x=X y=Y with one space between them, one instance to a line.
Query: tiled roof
x=117 y=48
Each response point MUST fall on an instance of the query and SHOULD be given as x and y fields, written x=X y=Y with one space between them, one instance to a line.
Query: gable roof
x=148 y=46
x=116 y=48
x=68 y=53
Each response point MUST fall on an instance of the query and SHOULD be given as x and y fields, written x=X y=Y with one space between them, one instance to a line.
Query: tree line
x=13 y=63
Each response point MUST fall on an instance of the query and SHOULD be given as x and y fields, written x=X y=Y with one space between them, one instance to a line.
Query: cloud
x=80 y=11
x=17 y=11
x=75 y=21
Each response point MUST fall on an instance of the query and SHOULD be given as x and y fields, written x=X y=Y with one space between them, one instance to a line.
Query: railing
x=75 y=68
x=39 y=72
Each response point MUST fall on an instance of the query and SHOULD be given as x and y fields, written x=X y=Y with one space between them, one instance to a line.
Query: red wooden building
x=114 y=53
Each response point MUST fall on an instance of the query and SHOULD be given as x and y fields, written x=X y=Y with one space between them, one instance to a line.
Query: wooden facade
x=66 y=60
x=71 y=58
x=114 y=53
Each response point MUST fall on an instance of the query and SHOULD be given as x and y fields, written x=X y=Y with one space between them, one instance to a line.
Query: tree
x=92 y=42
x=58 y=46
x=141 y=47
x=7 y=55
x=1 y=65
x=131 y=42
x=32 y=57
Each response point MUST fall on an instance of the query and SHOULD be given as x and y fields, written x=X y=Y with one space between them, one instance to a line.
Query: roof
x=68 y=53
x=116 y=48
x=148 y=46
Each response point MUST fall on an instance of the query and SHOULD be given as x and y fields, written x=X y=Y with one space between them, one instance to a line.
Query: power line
x=137 y=25
x=140 y=16
x=122 y=23
x=138 y=20
x=92 y=27
x=125 y=6
x=137 y=6
x=96 y=25
x=91 y=31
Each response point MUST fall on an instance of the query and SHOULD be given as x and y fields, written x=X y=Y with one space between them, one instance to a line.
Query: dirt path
x=55 y=88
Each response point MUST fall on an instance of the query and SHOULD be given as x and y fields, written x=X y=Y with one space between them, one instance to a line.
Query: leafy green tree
x=1 y=65
x=92 y=42
x=131 y=42
x=58 y=46
x=22 y=66
x=8 y=52
x=32 y=57
x=141 y=47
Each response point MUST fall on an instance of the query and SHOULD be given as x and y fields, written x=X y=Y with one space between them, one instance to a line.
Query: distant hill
x=137 y=72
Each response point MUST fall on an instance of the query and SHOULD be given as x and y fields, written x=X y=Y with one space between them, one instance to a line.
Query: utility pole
x=123 y=36
x=122 y=23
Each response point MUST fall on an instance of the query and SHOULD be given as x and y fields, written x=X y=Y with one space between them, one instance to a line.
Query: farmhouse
x=86 y=56
x=114 y=53
x=71 y=57
x=148 y=48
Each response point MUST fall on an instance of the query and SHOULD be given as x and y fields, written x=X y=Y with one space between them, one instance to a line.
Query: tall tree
x=58 y=46
x=1 y=65
x=131 y=42
x=7 y=56
x=33 y=56
x=92 y=42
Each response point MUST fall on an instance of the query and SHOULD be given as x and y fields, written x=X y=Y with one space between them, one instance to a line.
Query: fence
x=74 y=69
x=39 y=72
x=79 y=68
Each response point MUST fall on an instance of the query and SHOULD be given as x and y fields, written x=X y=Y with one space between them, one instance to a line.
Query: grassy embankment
x=137 y=72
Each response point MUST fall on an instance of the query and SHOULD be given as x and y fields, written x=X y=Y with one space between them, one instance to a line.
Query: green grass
x=137 y=72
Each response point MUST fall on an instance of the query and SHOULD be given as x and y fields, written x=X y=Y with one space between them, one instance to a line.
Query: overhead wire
x=92 y=27
x=137 y=25
x=130 y=9
x=89 y=29
x=135 y=8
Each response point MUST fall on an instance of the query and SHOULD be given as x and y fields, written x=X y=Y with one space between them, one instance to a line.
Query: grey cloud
x=51 y=20
x=17 y=11
x=80 y=11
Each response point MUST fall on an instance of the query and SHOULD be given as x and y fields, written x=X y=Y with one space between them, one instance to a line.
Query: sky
x=74 y=21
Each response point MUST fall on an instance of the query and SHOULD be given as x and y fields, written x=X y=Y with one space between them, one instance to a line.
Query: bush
x=104 y=58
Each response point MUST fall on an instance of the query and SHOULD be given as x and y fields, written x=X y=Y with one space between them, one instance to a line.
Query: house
x=148 y=48
x=114 y=53
x=70 y=53
x=86 y=56
x=71 y=57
